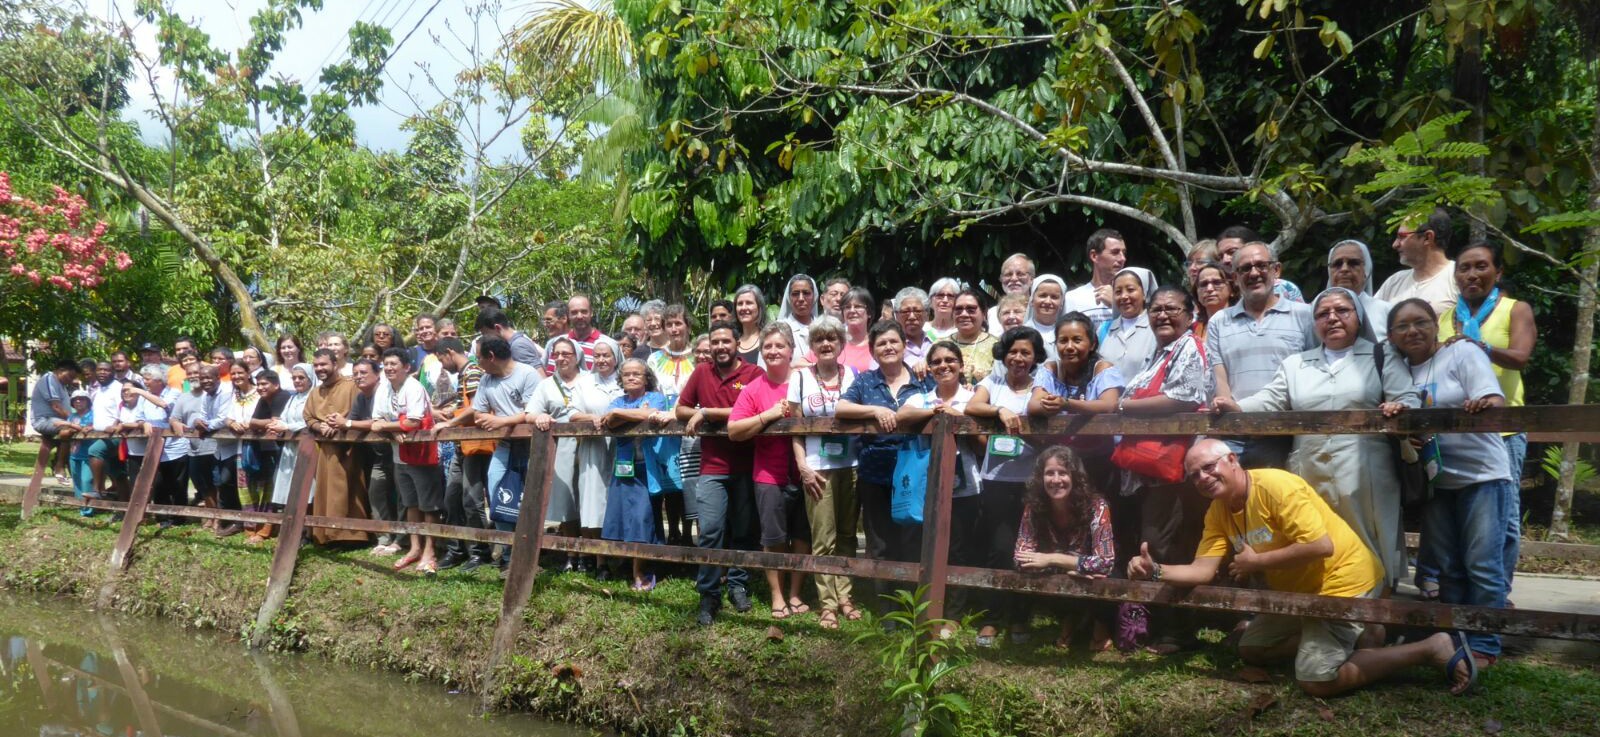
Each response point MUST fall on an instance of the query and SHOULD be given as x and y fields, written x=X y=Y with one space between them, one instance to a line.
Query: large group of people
x=1306 y=513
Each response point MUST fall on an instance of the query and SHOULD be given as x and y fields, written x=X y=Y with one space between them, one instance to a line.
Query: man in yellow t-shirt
x=1275 y=524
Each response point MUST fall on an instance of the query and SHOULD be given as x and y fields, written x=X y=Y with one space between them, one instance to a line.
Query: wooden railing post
x=524 y=568
x=30 y=499
x=289 y=534
x=137 y=501
x=936 y=516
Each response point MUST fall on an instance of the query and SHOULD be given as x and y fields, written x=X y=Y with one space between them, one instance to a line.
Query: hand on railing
x=542 y=421
x=1010 y=421
x=885 y=417
x=1223 y=404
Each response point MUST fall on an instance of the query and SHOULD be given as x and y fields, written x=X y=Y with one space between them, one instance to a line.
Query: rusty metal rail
x=529 y=538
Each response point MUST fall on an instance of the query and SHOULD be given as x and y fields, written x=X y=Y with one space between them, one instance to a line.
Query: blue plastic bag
x=910 y=481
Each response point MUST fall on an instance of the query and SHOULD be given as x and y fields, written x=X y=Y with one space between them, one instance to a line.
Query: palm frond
x=592 y=39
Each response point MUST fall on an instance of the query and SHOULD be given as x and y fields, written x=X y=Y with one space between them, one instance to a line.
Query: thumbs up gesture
x=1142 y=568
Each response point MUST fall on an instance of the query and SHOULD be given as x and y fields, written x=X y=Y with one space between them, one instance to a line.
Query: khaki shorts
x=1325 y=644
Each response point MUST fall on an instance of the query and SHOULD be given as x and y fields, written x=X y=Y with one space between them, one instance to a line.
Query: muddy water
x=68 y=671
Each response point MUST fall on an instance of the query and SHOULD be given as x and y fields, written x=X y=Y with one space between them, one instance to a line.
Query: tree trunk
x=1582 y=347
x=1469 y=86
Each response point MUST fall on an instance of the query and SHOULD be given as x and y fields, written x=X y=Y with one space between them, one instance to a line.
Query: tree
x=51 y=244
x=64 y=88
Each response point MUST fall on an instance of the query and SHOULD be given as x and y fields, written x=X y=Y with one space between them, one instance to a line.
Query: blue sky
x=436 y=46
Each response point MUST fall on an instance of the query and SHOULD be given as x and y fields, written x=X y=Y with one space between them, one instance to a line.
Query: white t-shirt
x=1456 y=373
x=1439 y=290
x=388 y=404
x=1081 y=299
x=1008 y=457
x=823 y=452
x=967 y=478
x=105 y=401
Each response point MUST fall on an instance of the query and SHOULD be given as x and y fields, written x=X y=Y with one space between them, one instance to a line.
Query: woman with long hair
x=1066 y=528
x=1213 y=292
x=288 y=352
x=750 y=310
x=857 y=352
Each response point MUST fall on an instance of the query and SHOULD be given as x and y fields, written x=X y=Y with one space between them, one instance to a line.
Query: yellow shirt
x=1496 y=333
x=1282 y=510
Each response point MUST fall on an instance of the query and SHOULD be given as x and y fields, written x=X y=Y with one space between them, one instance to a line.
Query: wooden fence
x=1580 y=423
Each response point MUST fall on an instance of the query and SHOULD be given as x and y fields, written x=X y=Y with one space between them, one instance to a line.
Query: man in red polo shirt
x=725 y=491
x=580 y=316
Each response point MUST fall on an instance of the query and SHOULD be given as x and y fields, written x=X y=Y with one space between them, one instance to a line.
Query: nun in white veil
x=1350 y=267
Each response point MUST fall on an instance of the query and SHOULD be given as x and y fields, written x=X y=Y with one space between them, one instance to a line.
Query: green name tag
x=835 y=447
x=623 y=469
x=1005 y=446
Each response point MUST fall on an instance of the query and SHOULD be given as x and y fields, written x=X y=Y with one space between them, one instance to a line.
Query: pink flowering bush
x=47 y=243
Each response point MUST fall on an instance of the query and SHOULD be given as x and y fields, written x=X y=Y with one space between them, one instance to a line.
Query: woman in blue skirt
x=629 y=515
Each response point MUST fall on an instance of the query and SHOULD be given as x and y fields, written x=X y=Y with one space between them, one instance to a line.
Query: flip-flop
x=800 y=608
x=405 y=562
x=428 y=568
x=828 y=619
x=849 y=611
x=1429 y=589
x=782 y=613
x=1463 y=654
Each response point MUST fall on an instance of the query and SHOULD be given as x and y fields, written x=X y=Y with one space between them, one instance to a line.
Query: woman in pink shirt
x=859 y=310
x=779 y=505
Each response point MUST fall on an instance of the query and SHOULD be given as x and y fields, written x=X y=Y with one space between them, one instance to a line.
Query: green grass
x=18 y=458
x=603 y=655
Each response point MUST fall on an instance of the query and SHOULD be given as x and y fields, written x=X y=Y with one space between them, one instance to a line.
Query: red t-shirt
x=773 y=453
x=720 y=456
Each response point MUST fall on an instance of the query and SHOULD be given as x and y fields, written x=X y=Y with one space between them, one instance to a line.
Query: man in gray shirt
x=493 y=322
x=204 y=410
x=1246 y=343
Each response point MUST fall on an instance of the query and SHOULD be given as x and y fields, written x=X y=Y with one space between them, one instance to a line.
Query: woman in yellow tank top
x=1503 y=327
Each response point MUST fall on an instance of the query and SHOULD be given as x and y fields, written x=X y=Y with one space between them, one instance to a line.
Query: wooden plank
x=137 y=501
x=936 y=517
x=723 y=558
x=431 y=529
x=197 y=721
x=1547 y=422
x=41 y=674
x=142 y=710
x=524 y=568
x=41 y=465
x=1526 y=622
x=288 y=550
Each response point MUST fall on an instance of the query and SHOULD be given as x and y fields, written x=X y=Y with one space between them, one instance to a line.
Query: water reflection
x=64 y=671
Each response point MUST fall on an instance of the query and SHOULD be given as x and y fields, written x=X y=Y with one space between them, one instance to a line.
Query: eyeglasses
x=1209 y=469
x=1167 y=310
x=1347 y=263
x=1261 y=266
x=945 y=361
x=966 y=309
x=944 y=295
x=1410 y=325
x=911 y=312
x=1212 y=284
x=1404 y=234
x=1333 y=312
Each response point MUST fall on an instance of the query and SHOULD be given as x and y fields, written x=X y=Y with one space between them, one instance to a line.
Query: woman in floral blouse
x=1066 y=528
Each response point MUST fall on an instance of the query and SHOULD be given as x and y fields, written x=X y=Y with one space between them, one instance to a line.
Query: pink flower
x=123 y=262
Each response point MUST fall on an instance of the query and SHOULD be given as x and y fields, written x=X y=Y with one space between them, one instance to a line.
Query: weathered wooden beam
x=936 y=517
x=524 y=567
x=1527 y=622
x=137 y=501
x=823 y=564
x=289 y=534
x=430 y=529
x=41 y=466
x=1548 y=422
x=148 y=724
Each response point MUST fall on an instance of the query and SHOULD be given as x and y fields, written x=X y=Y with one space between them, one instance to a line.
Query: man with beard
x=1108 y=253
x=1016 y=277
x=339 y=486
x=725 y=492
x=582 y=332
x=1246 y=343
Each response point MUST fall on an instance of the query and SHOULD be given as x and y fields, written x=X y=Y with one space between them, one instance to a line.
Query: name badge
x=1005 y=446
x=835 y=447
x=623 y=469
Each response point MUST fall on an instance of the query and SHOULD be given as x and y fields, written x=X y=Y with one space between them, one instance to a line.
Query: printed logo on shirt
x=1254 y=538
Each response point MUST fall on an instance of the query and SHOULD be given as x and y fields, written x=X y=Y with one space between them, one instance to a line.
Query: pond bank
x=601 y=655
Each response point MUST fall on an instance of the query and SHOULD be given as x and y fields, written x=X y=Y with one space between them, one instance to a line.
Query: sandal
x=1463 y=654
x=1429 y=588
x=798 y=608
x=850 y=611
x=828 y=619
x=781 y=612
x=405 y=562
x=428 y=567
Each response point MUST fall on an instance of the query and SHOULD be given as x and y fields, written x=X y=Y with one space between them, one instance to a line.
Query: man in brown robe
x=341 y=492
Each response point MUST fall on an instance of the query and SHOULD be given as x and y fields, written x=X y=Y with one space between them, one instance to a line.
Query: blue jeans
x=1463 y=530
x=1517 y=453
x=727 y=507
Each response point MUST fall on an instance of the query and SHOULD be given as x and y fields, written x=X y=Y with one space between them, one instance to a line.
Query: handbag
x=249 y=460
x=505 y=499
x=476 y=447
x=1154 y=456
x=910 y=481
x=1415 y=467
x=422 y=453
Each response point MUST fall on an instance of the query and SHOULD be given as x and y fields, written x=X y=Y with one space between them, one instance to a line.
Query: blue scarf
x=1472 y=324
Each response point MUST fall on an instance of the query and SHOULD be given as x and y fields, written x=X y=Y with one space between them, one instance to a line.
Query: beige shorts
x=1325 y=644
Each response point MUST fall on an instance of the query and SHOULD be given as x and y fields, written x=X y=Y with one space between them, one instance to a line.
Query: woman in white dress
x=556 y=400
x=596 y=389
x=292 y=421
x=1355 y=473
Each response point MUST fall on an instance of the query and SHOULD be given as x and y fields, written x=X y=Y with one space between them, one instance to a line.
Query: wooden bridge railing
x=932 y=571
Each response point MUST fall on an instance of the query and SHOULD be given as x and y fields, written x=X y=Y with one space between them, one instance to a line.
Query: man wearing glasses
x=1246 y=343
x=1432 y=275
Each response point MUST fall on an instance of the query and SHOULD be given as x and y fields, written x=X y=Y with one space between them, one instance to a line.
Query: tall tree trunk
x=1583 y=343
x=1470 y=87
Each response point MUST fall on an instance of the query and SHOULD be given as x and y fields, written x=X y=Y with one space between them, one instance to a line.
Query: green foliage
x=1426 y=162
x=1554 y=455
x=918 y=660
